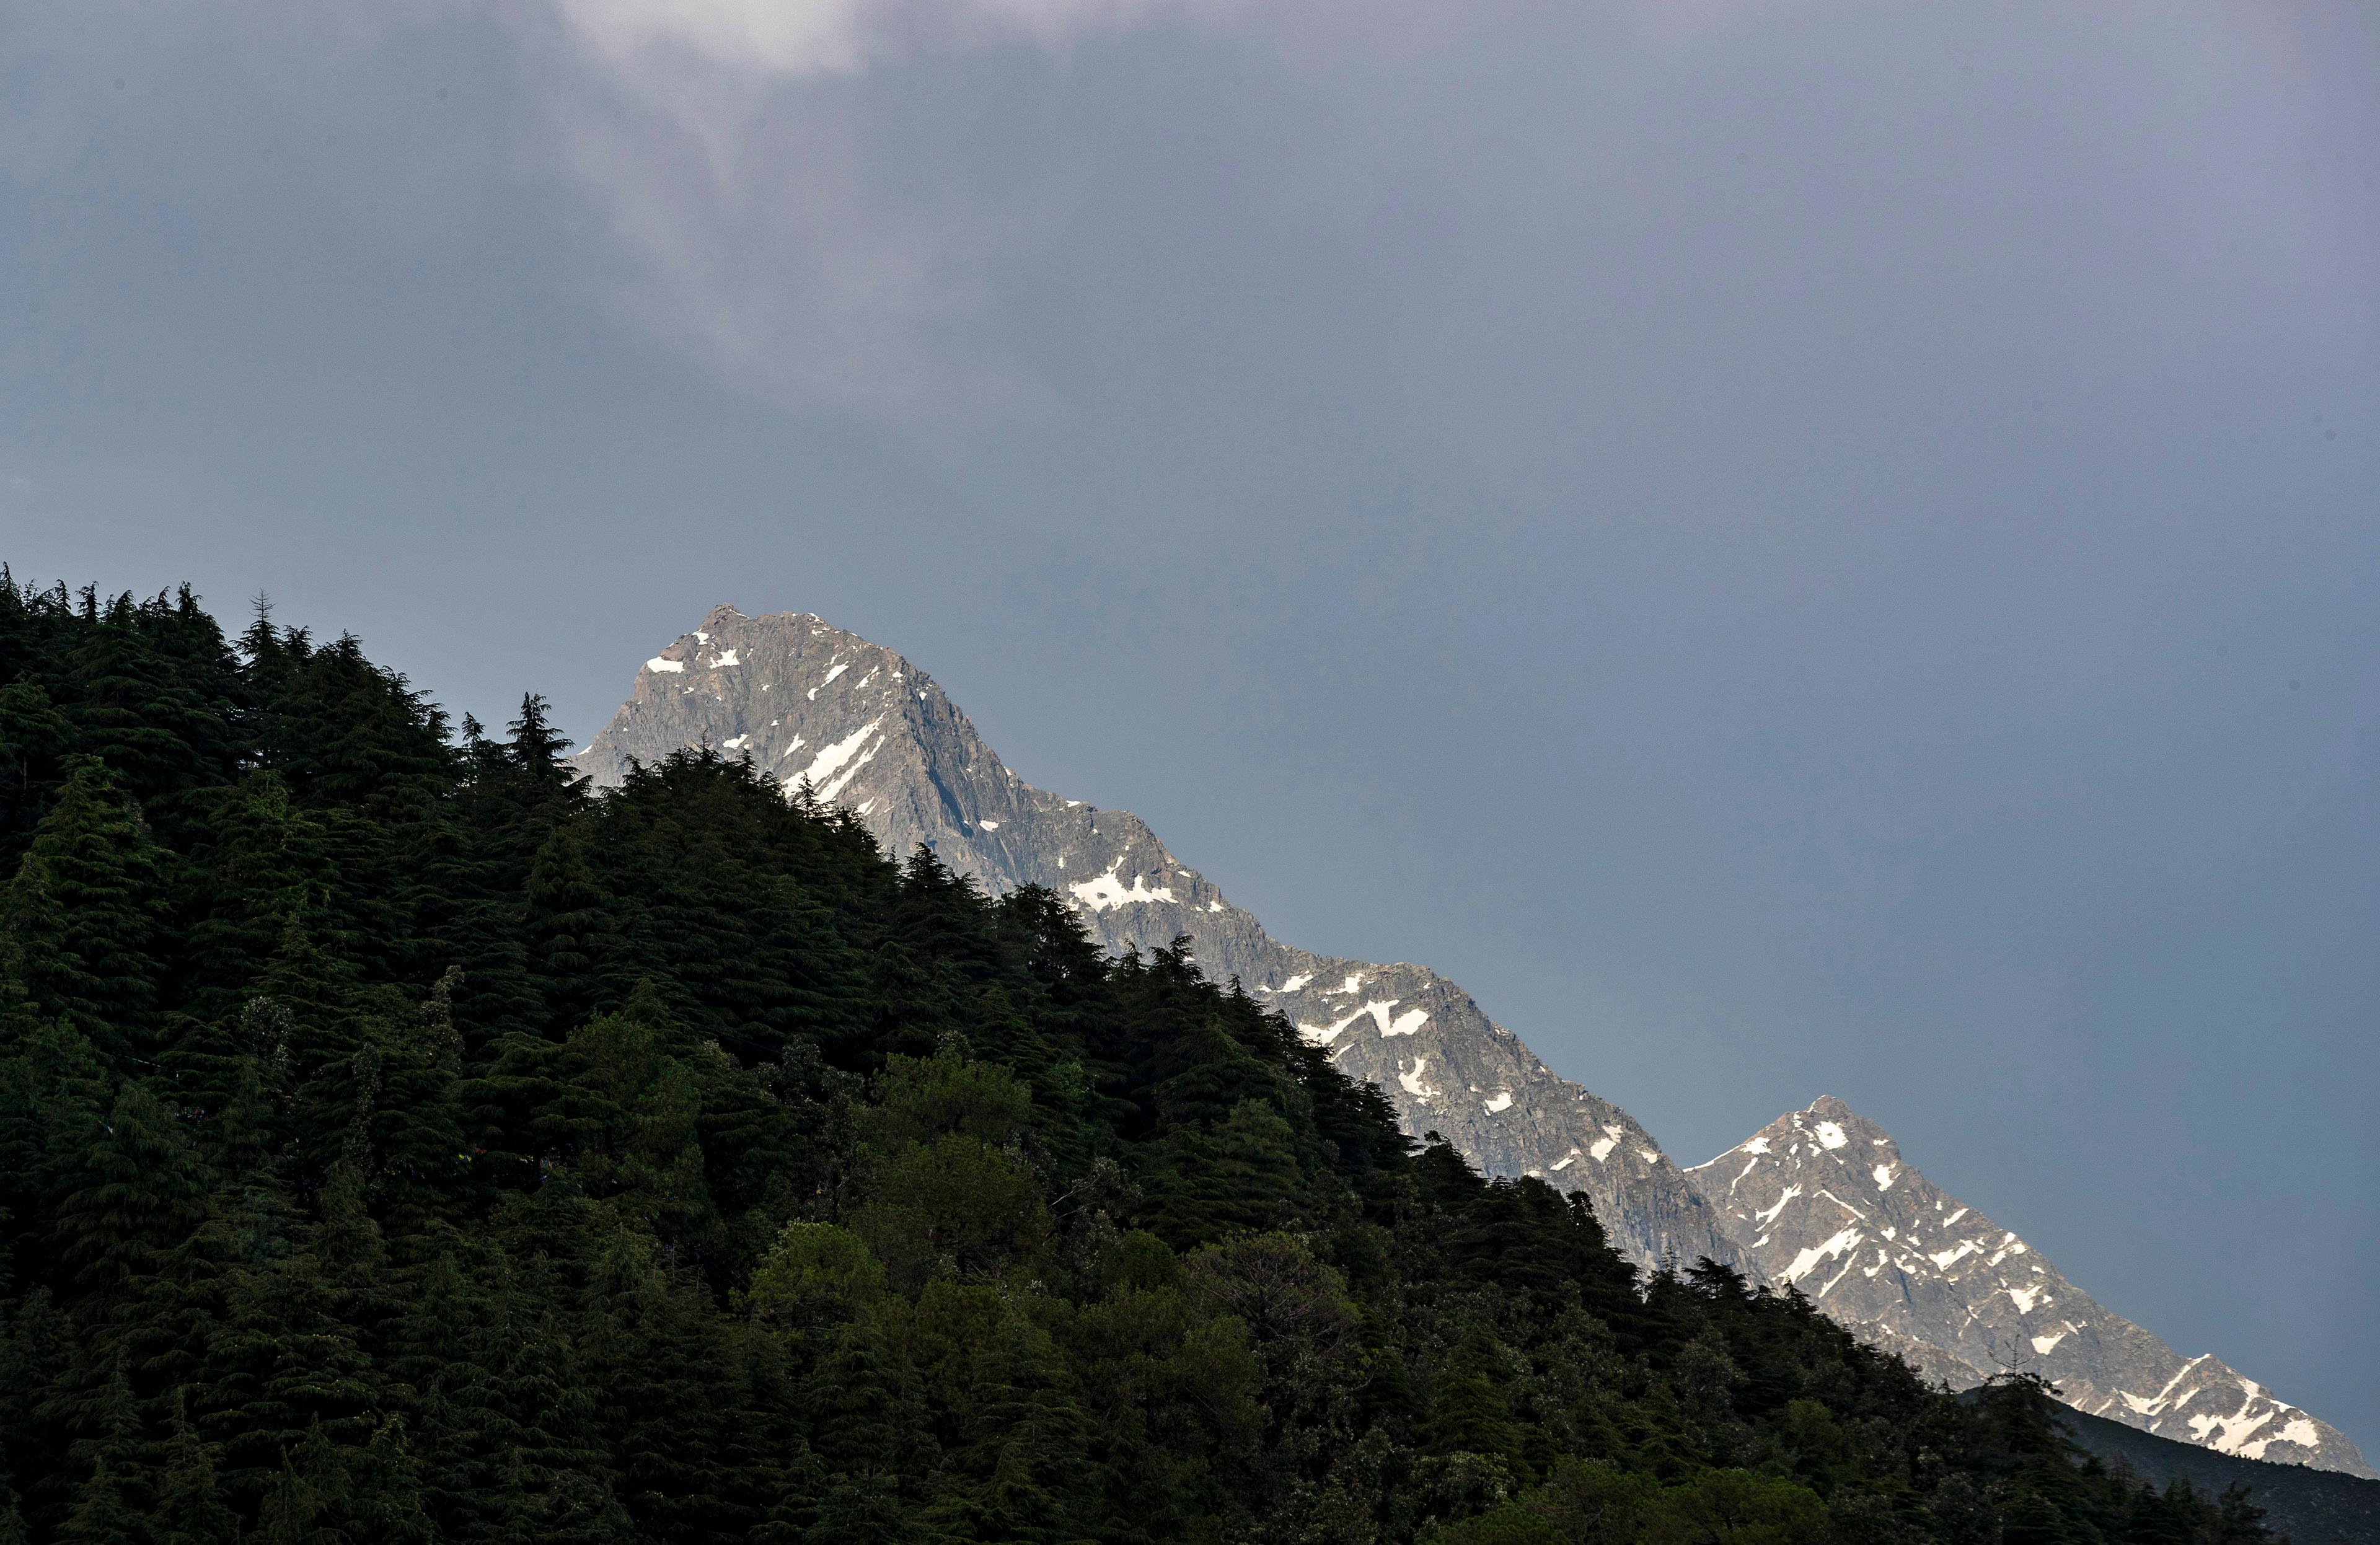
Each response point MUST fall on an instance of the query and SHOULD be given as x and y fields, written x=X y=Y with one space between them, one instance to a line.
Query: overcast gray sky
x=1793 y=549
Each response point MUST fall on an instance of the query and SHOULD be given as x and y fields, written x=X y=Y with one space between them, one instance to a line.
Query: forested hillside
x=398 y=1144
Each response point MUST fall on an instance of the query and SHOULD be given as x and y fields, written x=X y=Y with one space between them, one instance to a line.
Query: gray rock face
x=1821 y=1199
x=867 y=730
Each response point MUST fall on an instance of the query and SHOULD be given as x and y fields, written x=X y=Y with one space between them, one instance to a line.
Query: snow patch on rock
x=1106 y=890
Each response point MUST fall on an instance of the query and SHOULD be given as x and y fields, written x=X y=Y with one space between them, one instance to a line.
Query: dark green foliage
x=398 y=1144
x=78 y=920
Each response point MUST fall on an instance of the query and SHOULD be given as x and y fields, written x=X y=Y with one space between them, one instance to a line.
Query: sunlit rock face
x=868 y=731
x=1822 y=1200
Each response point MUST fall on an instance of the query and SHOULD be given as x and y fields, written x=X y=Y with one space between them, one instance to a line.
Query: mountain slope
x=1822 y=1200
x=2309 y=1507
x=867 y=730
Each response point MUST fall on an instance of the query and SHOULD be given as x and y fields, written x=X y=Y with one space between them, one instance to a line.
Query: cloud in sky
x=732 y=150
x=794 y=38
x=788 y=201
x=791 y=189
x=736 y=164
x=763 y=244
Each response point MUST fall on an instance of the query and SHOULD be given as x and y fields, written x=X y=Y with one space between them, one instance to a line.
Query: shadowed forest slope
x=398 y=1143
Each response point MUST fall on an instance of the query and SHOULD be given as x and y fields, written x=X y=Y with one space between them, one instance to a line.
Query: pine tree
x=868 y=1415
x=139 y=1192
x=1470 y=1413
x=107 y=1505
x=534 y=752
x=1244 y=1176
x=190 y=1507
x=576 y=943
x=150 y=690
x=102 y=1514
x=12 y=1518
x=262 y=864
x=79 y=917
x=2239 y=1518
x=33 y=737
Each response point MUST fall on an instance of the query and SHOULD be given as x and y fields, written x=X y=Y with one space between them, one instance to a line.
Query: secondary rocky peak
x=1823 y=1201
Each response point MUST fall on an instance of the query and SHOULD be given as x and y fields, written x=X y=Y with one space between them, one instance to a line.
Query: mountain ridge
x=812 y=704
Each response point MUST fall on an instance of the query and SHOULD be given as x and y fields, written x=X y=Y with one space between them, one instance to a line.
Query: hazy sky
x=1791 y=549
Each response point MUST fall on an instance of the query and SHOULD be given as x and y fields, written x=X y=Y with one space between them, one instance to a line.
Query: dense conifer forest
x=399 y=1144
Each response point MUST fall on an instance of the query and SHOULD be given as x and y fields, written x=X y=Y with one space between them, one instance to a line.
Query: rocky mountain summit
x=864 y=728
x=1822 y=1200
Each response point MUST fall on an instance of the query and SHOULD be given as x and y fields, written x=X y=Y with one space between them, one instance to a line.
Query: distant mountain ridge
x=1822 y=1200
x=808 y=702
